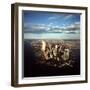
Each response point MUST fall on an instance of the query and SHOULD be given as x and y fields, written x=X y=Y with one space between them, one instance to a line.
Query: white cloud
x=28 y=27
x=51 y=27
x=52 y=18
x=68 y=16
x=50 y=24
x=75 y=26
x=77 y=22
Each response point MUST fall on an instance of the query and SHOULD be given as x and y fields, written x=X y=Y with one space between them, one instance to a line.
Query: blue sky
x=46 y=22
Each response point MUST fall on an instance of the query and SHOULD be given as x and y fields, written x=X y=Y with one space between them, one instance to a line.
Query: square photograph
x=51 y=43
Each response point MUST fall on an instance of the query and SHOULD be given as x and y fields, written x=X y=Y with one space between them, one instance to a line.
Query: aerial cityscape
x=51 y=44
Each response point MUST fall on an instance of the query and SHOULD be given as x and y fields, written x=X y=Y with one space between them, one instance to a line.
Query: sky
x=39 y=24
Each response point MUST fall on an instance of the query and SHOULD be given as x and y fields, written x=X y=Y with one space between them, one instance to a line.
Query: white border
x=53 y=78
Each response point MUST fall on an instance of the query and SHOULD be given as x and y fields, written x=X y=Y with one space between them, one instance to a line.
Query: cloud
x=35 y=28
x=68 y=16
x=52 y=18
x=75 y=26
x=62 y=16
x=55 y=16
x=50 y=24
x=52 y=28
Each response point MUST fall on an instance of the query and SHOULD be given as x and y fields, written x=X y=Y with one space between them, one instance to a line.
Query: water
x=51 y=36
